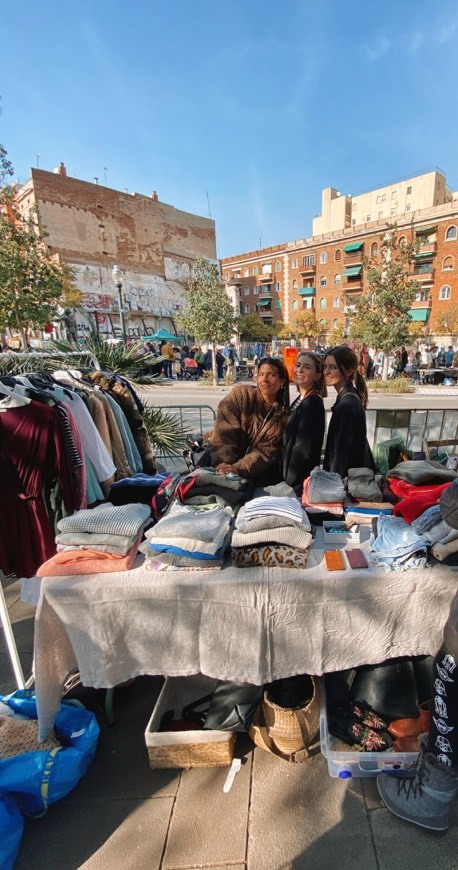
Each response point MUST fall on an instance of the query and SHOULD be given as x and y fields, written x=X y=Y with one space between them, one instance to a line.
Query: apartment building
x=93 y=227
x=325 y=273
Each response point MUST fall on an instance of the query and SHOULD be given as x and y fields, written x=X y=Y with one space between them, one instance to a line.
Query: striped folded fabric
x=283 y=506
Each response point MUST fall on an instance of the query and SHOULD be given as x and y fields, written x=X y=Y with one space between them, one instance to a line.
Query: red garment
x=419 y=499
x=32 y=451
x=403 y=489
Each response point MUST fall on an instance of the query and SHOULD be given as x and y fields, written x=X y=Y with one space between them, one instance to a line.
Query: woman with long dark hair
x=249 y=425
x=346 y=443
x=304 y=433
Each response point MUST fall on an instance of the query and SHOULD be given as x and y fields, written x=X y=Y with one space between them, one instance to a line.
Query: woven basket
x=193 y=748
x=287 y=731
x=21 y=735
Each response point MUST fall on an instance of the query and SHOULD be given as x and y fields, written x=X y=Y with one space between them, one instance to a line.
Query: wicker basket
x=287 y=731
x=197 y=748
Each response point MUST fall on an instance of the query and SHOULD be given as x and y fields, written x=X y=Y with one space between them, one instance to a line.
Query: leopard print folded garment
x=269 y=556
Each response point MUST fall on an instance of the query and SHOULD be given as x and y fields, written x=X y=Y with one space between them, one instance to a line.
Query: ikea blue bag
x=39 y=778
x=11 y=828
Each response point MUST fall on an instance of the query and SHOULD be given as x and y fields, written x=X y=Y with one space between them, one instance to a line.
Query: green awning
x=307 y=291
x=356 y=246
x=263 y=302
x=417 y=314
x=425 y=254
x=426 y=230
x=352 y=271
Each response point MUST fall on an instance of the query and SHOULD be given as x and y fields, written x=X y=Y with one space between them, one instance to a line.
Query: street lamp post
x=118 y=279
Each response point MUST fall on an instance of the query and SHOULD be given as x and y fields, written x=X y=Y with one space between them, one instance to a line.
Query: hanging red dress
x=32 y=452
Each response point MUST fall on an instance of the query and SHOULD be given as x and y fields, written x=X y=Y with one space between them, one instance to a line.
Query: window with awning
x=424 y=230
x=419 y=314
x=355 y=246
x=424 y=254
x=307 y=291
x=263 y=303
x=352 y=271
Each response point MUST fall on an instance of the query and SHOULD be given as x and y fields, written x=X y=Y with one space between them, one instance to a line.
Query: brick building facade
x=92 y=228
x=325 y=273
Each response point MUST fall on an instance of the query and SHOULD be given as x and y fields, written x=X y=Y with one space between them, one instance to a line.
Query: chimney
x=154 y=196
x=61 y=170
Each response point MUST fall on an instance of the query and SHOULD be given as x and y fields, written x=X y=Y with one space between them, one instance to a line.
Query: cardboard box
x=344 y=536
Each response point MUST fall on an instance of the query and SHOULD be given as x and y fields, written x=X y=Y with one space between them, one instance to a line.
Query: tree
x=208 y=315
x=447 y=321
x=31 y=280
x=306 y=325
x=381 y=318
x=250 y=327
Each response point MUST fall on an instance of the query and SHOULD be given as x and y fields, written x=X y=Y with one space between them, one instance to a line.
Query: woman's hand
x=225 y=468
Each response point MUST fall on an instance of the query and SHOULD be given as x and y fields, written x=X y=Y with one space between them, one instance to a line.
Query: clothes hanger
x=11 y=399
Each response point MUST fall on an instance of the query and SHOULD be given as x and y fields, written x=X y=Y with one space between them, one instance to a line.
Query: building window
x=409 y=190
x=448 y=263
x=450 y=235
x=278 y=304
x=423 y=295
x=294 y=284
x=393 y=210
x=323 y=281
x=402 y=241
x=374 y=249
x=337 y=278
x=445 y=292
x=323 y=258
x=322 y=302
x=407 y=207
x=246 y=272
x=309 y=260
x=336 y=302
x=384 y=197
x=278 y=286
x=255 y=290
x=255 y=271
x=294 y=263
x=278 y=266
x=353 y=223
x=368 y=218
x=247 y=307
x=247 y=291
x=394 y=194
x=380 y=215
x=295 y=305
x=379 y=199
x=338 y=255
x=227 y=276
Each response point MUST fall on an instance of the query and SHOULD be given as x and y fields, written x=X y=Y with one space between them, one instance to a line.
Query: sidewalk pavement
x=277 y=816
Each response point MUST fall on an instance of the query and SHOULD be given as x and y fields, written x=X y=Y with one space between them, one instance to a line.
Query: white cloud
x=381 y=45
x=415 y=43
x=447 y=32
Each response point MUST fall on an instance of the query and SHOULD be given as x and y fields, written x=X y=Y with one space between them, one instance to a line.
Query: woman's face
x=333 y=377
x=305 y=373
x=269 y=382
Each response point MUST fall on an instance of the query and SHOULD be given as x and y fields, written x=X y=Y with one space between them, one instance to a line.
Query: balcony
x=266 y=315
x=426 y=248
x=353 y=285
x=423 y=272
x=309 y=269
x=353 y=253
x=266 y=277
x=234 y=282
x=307 y=291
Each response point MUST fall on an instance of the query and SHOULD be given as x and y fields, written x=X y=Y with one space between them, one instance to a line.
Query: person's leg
x=425 y=799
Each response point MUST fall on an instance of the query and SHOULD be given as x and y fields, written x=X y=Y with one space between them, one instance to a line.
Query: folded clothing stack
x=363 y=483
x=194 y=535
x=232 y=488
x=397 y=546
x=323 y=495
x=98 y=541
x=363 y=512
x=273 y=532
x=138 y=489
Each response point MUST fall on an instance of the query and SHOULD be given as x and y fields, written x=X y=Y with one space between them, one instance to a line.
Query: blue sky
x=257 y=103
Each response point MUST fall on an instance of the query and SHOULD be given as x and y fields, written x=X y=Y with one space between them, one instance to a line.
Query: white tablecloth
x=250 y=624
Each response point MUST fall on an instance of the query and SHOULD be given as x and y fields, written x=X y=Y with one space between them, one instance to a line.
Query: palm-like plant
x=165 y=431
x=130 y=362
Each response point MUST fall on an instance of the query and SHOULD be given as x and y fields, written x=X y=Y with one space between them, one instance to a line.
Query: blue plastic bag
x=11 y=828
x=39 y=778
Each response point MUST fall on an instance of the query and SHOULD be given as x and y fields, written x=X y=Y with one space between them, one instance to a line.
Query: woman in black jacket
x=304 y=432
x=346 y=442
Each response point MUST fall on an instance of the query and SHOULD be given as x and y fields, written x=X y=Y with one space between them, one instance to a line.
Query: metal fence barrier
x=191 y=419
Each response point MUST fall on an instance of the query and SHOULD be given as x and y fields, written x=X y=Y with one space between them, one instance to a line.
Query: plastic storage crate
x=345 y=764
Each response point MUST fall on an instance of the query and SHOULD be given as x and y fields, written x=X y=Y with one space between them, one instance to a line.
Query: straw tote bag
x=287 y=731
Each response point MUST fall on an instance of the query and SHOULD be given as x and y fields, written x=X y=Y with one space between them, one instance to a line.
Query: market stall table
x=250 y=624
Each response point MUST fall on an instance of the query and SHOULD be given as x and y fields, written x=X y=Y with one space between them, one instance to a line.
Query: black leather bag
x=389 y=688
x=232 y=706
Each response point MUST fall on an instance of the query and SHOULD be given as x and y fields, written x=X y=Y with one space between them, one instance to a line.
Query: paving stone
x=370 y=792
x=402 y=846
x=97 y=835
x=301 y=817
x=208 y=827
